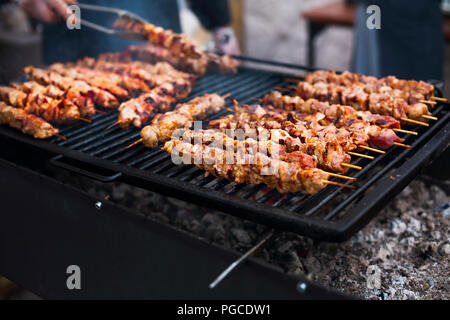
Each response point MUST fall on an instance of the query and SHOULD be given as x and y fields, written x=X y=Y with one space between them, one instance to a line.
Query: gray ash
x=402 y=254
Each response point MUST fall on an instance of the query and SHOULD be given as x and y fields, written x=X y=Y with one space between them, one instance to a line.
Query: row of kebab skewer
x=313 y=133
x=72 y=92
x=67 y=93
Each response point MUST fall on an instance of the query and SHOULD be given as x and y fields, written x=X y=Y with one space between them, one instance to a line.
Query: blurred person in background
x=62 y=44
x=409 y=44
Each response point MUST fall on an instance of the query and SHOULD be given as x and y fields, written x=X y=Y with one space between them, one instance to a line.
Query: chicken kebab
x=256 y=168
x=27 y=123
x=85 y=105
x=386 y=103
x=176 y=43
x=39 y=104
x=217 y=139
x=375 y=130
x=76 y=89
x=210 y=62
x=334 y=113
x=164 y=125
x=121 y=86
x=329 y=144
x=152 y=75
x=411 y=90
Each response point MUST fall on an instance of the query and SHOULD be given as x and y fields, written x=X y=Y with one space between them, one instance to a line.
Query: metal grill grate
x=332 y=214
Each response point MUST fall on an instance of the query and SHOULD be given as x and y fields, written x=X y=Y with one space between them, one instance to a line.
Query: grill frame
x=405 y=164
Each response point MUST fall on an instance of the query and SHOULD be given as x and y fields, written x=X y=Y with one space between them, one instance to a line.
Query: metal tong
x=120 y=14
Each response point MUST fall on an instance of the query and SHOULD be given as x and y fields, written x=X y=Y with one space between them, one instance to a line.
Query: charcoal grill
x=333 y=214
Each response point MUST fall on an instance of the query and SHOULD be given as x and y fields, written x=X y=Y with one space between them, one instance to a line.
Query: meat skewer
x=52 y=110
x=331 y=111
x=152 y=54
x=130 y=83
x=176 y=43
x=356 y=97
x=338 y=115
x=217 y=139
x=27 y=123
x=183 y=117
x=413 y=91
x=329 y=154
x=251 y=119
x=350 y=134
x=117 y=63
x=47 y=77
x=110 y=84
x=255 y=169
x=85 y=105
x=139 y=110
x=152 y=75
x=209 y=62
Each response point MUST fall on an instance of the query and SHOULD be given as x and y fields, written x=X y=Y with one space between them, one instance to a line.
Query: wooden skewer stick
x=338 y=184
x=101 y=112
x=83 y=119
x=405 y=131
x=402 y=145
x=281 y=89
x=114 y=124
x=292 y=80
x=415 y=122
x=229 y=109
x=439 y=99
x=226 y=95
x=348 y=165
x=341 y=176
x=429 y=117
x=60 y=136
x=134 y=143
x=361 y=155
x=372 y=149
x=428 y=102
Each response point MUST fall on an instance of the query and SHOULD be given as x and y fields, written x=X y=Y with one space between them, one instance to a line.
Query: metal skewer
x=239 y=261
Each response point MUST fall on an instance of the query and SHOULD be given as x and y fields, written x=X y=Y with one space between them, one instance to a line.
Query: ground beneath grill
x=402 y=254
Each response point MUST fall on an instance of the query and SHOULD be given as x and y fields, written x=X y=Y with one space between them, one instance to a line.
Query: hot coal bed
x=158 y=246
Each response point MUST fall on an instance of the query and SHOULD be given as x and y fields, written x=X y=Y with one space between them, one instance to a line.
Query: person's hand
x=47 y=10
x=226 y=41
